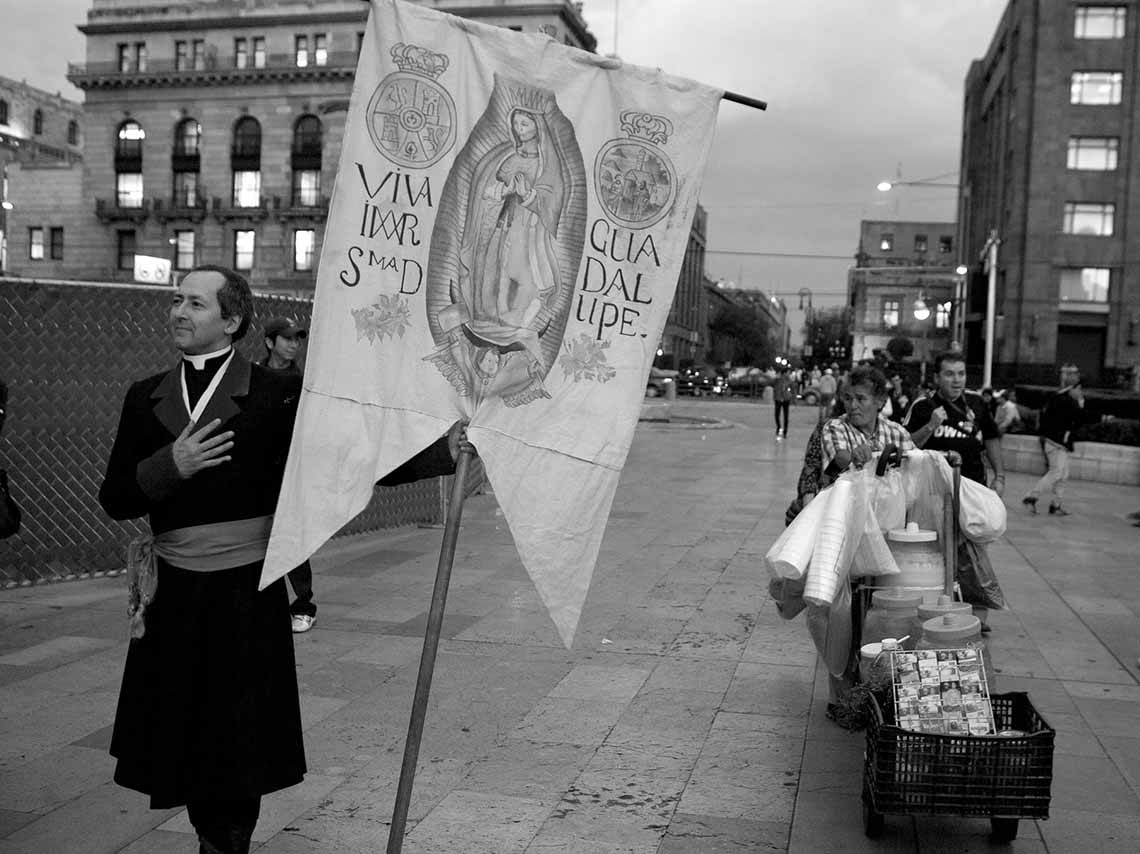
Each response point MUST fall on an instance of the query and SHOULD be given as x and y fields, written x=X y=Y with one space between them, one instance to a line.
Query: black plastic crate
x=907 y=772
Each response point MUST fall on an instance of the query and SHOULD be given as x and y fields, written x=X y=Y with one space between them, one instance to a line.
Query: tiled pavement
x=687 y=718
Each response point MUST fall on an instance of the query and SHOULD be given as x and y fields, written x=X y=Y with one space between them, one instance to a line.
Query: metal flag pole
x=427 y=657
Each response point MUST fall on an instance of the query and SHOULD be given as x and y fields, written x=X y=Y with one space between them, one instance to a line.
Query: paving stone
x=528 y=769
x=56 y=650
x=601 y=682
x=569 y=721
x=478 y=823
x=770 y=689
x=13 y=820
x=1093 y=784
x=1077 y=831
x=1110 y=717
x=716 y=835
x=53 y=779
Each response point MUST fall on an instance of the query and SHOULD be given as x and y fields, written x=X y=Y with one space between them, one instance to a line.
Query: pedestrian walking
x=1060 y=417
x=827 y=388
x=208 y=713
x=953 y=419
x=283 y=337
x=1007 y=417
x=782 y=394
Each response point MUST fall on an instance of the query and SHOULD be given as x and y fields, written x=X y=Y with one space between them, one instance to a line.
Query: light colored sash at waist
x=220 y=545
x=200 y=548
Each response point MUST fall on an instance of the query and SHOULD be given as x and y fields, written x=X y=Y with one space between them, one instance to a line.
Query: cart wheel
x=1003 y=829
x=873 y=822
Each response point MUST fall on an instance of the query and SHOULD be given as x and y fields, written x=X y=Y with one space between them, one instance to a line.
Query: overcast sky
x=857 y=89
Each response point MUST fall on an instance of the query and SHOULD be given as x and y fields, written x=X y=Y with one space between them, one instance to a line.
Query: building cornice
x=88 y=77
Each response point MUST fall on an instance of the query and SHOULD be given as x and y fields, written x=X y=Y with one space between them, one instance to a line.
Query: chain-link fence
x=68 y=352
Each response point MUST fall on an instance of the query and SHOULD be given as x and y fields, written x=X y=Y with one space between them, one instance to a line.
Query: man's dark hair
x=870 y=376
x=234 y=296
x=948 y=356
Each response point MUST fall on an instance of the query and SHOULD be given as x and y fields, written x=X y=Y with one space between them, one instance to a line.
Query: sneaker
x=302 y=623
x=1030 y=502
x=1058 y=510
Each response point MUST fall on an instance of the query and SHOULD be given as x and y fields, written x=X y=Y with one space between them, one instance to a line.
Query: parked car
x=699 y=381
x=659 y=381
x=749 y=382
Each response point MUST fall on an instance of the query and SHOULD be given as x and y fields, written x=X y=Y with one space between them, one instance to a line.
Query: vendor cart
x=1005 y=776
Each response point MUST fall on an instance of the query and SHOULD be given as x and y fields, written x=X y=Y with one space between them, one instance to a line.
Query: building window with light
x=320 y=49
x=305 y=159
x=243 y=249
x=1099 y=22
x=126 y=250
x=919 y=243
x=304 y=242
x=1096 y=87
x=245 y=161
x=1085 y=289
x=942 y=315
x=1094 y=153
x=301 y=46
x=241 y=53
x=945 y=245
x=199 y=48
x=886 y=242
x=185 y=162
x=123 y=51
x=1093 y=218
x=140 y=56
x=181 y=56
x=891 y=311
x=36 y=243
x=128 y=165
x=259 y=52
x=183 y=250
x=73 y=132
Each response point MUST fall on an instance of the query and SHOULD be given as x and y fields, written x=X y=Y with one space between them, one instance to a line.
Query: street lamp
x=922 y=314
x=887 y=186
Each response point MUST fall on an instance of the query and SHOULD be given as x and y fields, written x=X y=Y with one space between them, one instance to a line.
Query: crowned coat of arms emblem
x=635 y=180
x=411 y=117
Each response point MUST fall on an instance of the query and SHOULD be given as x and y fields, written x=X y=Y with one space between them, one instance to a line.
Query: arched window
x=128 y=164
x=185 y=162
x=73 y=132
x=3 y=112
x=245 y=161
x=306 y=161
x=38 y=122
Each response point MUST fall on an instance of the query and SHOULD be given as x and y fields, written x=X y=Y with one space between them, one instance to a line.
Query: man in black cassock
x=208 y=713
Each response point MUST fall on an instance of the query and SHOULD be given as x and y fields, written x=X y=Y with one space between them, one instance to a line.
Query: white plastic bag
x=888 y=498
x=981 y=512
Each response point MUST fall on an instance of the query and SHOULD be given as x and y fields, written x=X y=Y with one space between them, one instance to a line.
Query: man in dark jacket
x=1060 y=418
x=208 y=712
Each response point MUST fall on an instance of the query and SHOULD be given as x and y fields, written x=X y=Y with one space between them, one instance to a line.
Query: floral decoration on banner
x=387 y=318
x=585 y=359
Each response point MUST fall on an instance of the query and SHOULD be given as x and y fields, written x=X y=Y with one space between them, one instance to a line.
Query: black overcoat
x=208 y=707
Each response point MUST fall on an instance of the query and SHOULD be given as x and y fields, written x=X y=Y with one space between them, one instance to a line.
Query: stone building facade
x=1049 y=157
x=36 y=128
x=213 y=127
x=904 y=284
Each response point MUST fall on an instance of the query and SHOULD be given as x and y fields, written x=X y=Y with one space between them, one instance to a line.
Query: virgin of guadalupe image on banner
x=508 y=224
x=506 y=246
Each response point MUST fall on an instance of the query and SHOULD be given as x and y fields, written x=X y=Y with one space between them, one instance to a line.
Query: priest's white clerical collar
x=198 y=360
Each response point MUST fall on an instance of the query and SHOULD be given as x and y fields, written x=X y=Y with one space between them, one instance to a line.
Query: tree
x=747 y=330
x=826 y=327
x=900 y=347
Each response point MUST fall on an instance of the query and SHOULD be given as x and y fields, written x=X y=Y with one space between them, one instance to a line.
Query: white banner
x=506 y=232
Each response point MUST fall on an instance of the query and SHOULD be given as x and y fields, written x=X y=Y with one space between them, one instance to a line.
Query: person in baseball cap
x=283 y=337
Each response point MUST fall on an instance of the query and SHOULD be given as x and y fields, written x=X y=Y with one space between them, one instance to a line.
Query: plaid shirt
x=839 y=435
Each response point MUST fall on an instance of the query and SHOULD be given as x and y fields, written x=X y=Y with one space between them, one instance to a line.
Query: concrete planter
x=1095 y=461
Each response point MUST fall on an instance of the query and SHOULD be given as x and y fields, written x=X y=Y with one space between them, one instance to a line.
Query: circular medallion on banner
x=410 y=117
x=635 y=180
